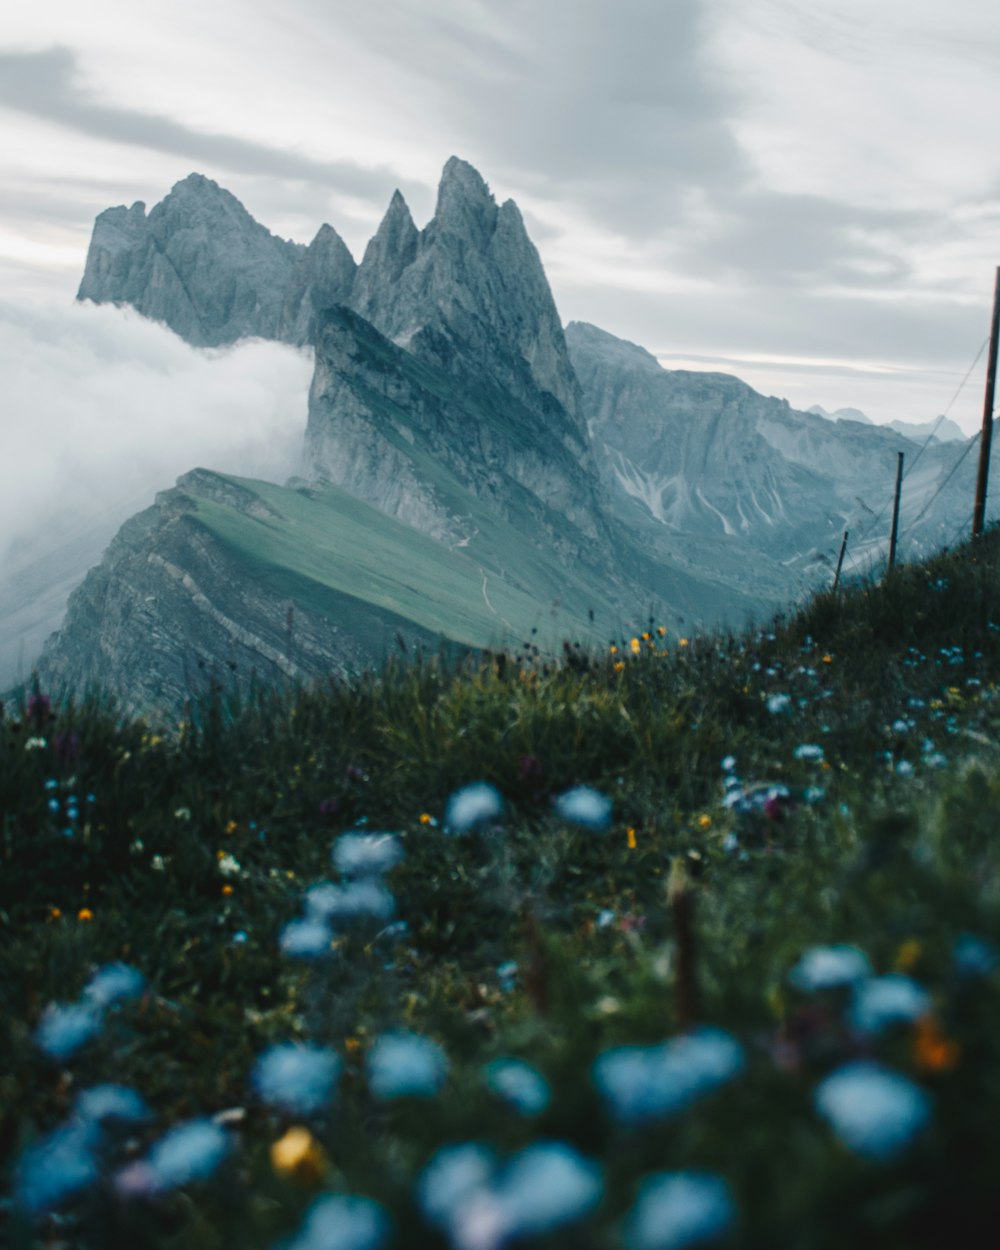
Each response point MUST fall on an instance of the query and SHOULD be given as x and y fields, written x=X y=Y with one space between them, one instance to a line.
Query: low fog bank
x=100 y=410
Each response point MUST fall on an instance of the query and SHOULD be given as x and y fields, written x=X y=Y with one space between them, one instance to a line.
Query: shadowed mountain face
x=472 y=472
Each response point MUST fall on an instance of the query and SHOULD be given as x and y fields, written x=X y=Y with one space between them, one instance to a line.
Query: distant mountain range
x=472 y=474
x=942 y=428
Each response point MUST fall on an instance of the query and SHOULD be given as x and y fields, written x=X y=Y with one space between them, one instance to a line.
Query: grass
x=532 y=936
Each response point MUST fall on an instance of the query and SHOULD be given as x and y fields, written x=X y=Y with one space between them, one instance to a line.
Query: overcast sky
x=804 y=193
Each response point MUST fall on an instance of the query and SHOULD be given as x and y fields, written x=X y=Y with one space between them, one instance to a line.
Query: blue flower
x=296 y=1077
x=405 y=1065
x=777 y=703
x=881 y=1001
x=112 y=1106
x=519 y=1084
x=641 y=1083
x=345 y=904
x=342 y=1221
x=63 y=1030
x=366 y=855
x=475 y=804
x=305 y=939
x=826 y=967
x=875 y=1112
x=114 y=983
x=678 y=1209
x=451 y=1178
x=547 y=1185
x=58 y=1167
x=808 y=751
x=974 y=957
x=584 y=806
x=189 y=1152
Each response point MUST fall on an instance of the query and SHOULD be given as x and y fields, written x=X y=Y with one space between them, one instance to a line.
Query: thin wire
x=943 y=416
x=954 y=469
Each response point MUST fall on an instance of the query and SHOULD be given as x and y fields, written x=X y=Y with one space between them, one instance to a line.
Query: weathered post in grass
x=894 y=533
x=840 y=561
x=681 y=901
x=979 y=511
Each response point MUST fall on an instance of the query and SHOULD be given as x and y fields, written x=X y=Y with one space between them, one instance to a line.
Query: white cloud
x=102 y=408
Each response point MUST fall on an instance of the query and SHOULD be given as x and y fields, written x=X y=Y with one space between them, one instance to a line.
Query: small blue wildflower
x=584 y=806
x=405 y=1065
x=547 y=1185
x=343 y=1221
x=642 y=1083
x=900 y=726
x=63 y=1030
x=875 y=1112
x=56 y=1168
x=72 y=813
x=519 y=1084
x=881 y=1001
x=112 y=1106
x=240 y=937
x=366 y=855
x=475 y=804
x=777 y=703
x=826 y=967
x=296 y=1077
x=114 y=983
x=904 y=769
x=730 y=843
x=188 y=1152
x=813 y=795
x=354 y=901
x=305 y=939
x=507 y=975
x=974 y=957
x=51 y=784
x=54 y=805
x=678 y=1209
x=605 y=918
x=808 y=751
x=729 y=763
x=454 y=1175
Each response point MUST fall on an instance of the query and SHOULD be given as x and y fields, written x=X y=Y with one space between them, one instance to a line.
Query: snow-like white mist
x=101 y=409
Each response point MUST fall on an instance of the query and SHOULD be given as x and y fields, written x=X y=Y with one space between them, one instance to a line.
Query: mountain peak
x=465 y=204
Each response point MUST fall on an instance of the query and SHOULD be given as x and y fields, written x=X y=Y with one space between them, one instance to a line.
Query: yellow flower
x=704 y=822
x=661 y=631
x=827 y=659
x=352 y=1045
x=227 y=890
x=231 y=826
x=425 y=818
x=645 y=635
x=630 y=834
x=908 y=955
x=54 y=913
x=299 y=1154
x=682 y=642
x=85 y=914
x=619 y=665
x=634 y=644
x=613 y=649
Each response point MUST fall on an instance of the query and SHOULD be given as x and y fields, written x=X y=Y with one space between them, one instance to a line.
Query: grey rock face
x=704 y=454
x=203 y=266
x=171 y=609
x=474 y=278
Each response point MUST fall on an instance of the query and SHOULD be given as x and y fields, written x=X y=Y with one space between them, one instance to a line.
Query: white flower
x=343 y=904
x=35 y=744
x=778 y=703
x=228 y=865
x=808 y=751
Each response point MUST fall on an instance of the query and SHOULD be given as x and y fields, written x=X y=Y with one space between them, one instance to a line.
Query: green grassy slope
x=834 y=779
x=327 y=539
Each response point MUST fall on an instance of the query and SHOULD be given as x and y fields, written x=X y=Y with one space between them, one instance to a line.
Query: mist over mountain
x=942 y=428
x=542 y=484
